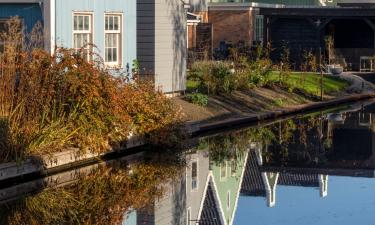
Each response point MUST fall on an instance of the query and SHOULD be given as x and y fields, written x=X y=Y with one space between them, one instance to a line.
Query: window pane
x=114 y=40
x=85 y=40
x=116 y=22
x=87 y=23
x=107 y=40
x=114 y=58
x=80 y=23
x=106 y=58
x=106 y=22
x=77 y=41
x=75 y=23
x=110 y=23
x=194 y=169
x=81 y=40
x=110 y=43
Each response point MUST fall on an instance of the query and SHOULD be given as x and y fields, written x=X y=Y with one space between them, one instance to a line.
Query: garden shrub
x=217 y=77
x=198 y=99
x=214 y=77
x=49 y=103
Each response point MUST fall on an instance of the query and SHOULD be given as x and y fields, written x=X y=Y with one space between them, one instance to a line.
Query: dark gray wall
x=161 y=42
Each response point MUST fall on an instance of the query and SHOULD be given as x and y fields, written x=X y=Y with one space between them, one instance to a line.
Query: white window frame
x=119 y=33
x=224 y=165
x=88 y=32
x=233 y=168
x=188 y=216
x=259 y=28
x=197 y=178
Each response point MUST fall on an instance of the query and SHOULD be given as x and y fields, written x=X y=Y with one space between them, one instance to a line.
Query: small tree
x=330 y=45
x=284 y=66
x=309 y=64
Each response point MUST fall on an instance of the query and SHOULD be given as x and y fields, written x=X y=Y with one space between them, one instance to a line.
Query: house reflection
x=212 y=189
x=205 y=190
x=261 y=183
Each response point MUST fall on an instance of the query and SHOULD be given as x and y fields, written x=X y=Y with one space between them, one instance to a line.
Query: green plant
x=198 y=99
x=284 y=65
x=214 y=77
x=279 y=102
x=136 y=67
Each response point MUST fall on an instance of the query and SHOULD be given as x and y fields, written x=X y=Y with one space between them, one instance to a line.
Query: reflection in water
x=101 y=196
x=207 y=185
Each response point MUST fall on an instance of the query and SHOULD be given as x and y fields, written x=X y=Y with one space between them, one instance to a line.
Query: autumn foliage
x=101 y=197
x=49 y=103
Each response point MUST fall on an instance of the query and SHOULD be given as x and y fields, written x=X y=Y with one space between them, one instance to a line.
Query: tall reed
x=52 y=102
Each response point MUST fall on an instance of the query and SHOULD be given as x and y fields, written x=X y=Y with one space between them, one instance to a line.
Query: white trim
x=323 y=185
x=204 y=195
x=90 y=32
x=234 y=6
x=239 y=189
x=120 y=48
x=188 y=216
x=193 y=22
x=218 y=202
x=271 y=191
x=258 y=153
x=53 y=26
x=227 y=198
x=197 y=178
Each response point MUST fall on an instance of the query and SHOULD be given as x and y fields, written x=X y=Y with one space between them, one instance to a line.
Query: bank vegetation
x=49 y=103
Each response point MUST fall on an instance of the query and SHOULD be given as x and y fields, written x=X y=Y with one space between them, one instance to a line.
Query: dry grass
x=48 y=103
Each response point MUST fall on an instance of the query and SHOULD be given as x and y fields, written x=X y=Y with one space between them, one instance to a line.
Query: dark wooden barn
x=352 y=31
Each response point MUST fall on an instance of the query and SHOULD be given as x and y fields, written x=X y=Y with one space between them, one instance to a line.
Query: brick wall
x=191 y=29
x=231 y=26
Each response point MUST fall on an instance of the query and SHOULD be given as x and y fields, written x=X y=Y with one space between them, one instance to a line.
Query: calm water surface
x=311 y=169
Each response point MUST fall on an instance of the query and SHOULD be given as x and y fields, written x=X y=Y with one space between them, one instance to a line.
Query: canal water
x=316 y=168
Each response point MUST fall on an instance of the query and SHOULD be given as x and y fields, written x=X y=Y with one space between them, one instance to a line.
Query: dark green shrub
x=198 y=99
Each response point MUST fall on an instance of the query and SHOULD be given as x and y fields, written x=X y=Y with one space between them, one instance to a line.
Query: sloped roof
x=299 y=179
x=252 y=183
x=210 y=213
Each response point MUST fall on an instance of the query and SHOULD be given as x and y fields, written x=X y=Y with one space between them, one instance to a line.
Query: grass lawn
x=312 y=82
x=311 y=85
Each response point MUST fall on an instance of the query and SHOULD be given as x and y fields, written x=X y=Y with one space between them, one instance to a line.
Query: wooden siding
x=161 y=42
x=64 y=20
x=195 y=197
x=171 y=208
x=198 y=5
x=284 y=2
x=30 y=13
